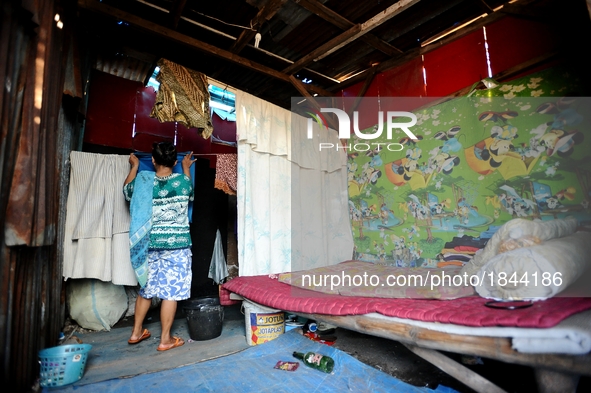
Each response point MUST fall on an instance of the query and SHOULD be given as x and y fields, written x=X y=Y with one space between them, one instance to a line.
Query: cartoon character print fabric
x=518 y=150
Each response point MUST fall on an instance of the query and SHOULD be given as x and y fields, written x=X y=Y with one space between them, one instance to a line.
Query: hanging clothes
x=218 y=270
x=140 y=208
x=183 y=97
x=225 y=173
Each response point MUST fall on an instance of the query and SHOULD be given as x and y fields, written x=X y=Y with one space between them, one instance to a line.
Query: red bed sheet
x=468 y=311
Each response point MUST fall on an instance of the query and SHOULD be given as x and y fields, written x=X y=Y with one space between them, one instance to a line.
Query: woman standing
x=160 y=238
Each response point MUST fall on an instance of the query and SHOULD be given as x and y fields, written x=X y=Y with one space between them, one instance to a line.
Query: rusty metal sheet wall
x=37 y=135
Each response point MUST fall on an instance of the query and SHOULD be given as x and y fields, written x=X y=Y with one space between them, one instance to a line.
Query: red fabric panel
x=506 y=51
x=468 y=311
x=144 y=124
x=110 y=113
x=462 y=62
x=223 y=129
x=456 y=65
x=143 y=142
x=404 y=81
x=367 y=110
x=189 y=139
x=223 y=149
x=351 y=91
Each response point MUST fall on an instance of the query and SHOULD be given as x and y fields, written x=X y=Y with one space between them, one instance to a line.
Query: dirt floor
x=395 y=359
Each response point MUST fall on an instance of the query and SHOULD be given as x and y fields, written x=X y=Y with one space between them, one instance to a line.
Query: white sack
x=95 y=304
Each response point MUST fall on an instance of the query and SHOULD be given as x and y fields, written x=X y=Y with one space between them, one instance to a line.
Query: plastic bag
x=218 y=270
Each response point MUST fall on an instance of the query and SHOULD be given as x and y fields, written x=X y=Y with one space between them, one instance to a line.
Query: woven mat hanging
x=182 y=97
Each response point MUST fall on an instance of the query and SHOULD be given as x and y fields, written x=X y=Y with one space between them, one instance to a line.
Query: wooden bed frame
x=554 y=373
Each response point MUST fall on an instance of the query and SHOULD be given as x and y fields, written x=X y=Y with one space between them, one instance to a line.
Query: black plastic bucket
x=204 y=316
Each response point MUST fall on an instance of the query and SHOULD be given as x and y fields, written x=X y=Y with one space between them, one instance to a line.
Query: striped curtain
x=96 y=243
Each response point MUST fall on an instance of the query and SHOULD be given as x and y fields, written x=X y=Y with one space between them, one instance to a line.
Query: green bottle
x=319 y=362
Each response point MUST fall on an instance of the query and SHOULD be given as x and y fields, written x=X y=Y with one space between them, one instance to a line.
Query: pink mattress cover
x=468 y=311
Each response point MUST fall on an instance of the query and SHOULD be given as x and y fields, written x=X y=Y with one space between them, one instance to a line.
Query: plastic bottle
x=314 y=360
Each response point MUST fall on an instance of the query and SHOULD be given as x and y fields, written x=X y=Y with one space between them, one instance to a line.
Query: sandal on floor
x=145 y=334
x=177 y=343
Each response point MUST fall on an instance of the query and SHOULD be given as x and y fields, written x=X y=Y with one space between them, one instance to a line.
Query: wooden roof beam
x=154 y=28
x=383 y=66
x=485 y=7
x=264 y=14
x=302 y=89
x=315 y=7
x=175 y=12
x=368 y=79
x=350 y=35
x=395 y=62
x=530 y=13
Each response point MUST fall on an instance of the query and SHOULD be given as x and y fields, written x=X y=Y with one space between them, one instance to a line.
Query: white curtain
x=292 y=197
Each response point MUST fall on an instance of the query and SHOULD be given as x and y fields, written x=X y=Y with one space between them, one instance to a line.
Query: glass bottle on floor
x=315 y=360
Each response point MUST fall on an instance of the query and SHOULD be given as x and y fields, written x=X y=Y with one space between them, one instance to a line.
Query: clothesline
x=194 y=154
x=211 y=154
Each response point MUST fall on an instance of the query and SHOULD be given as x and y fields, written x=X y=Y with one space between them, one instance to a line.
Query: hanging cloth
x=96 y=232
x=218 y=270
x=140 y=208
x=182 y=97
x=225 y=173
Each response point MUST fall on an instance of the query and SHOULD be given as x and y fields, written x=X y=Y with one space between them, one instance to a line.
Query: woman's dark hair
x=164 y=153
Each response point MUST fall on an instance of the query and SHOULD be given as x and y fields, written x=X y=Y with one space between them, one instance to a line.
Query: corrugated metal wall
x=39 y=127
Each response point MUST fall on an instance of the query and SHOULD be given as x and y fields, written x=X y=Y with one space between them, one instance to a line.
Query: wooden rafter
x=351 y=32
x=155 y=28
x=315 y=7
x=394 y=62
x=525 y=12
x=438 y=8
x=302 y=89
x=264 y=14
x=350 y=35
x=457 y=370
x=175 y=12
x=485 y=7
x=383 y=66
x=310 y=57
x=368 y=79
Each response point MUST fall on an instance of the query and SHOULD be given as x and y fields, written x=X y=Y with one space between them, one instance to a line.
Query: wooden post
x=456 y=370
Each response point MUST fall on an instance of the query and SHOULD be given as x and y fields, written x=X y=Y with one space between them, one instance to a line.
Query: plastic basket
x=63 y=364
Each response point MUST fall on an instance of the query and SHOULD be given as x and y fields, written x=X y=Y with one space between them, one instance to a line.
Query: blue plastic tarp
x=252 y=370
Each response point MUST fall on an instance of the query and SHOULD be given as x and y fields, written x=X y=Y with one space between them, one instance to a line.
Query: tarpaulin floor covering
x=252 y=370
x=112 y=357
